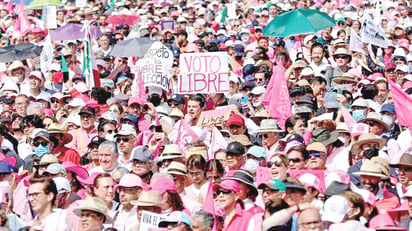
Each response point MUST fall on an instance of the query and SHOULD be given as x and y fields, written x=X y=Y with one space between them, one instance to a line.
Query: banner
x=203 y=73
x=149 y=220
x=217 y=116
x=50 y=17
x=155 y=66
x=185 y=136
x=81 y=3
x=370 y=33
x=355 y=43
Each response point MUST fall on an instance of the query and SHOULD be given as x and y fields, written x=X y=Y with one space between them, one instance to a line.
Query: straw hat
x=406 y=160
x=243 y=139
x=343 y=51
x=177 y=168
x=16 y=64
x=148 y=198
x=171 y=151
x=367 y=138
x=372 y=168
x=349 y=77
x=55 y=128
x=10 y=85
x=269 y=125
x=376 y=117
x=96 y=205
x=48 y=159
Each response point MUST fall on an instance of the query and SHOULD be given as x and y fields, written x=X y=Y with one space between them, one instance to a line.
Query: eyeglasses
x=110 y=132
x=138 y=162
x=295 y=160
x=371 y=123
x=258 y=79
x=224 y=191
x=398 y=59
x=233 y=126
x=124 y=139
x=42 y=143
x=315 y=154
x=264 y=136
x=35 y=196
x=277 y=163
x=54 y=101
x=341 y=56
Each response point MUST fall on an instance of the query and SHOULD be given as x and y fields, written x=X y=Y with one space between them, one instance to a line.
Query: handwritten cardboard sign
x=155 y=66
x=217 y=116
x=203 y=73
x=150 y=221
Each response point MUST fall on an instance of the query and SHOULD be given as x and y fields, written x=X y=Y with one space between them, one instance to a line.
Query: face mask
x=372 y=152
x=251 y=165
x=358 y=114
x=41 y=150
x=155 y=100
x=388 y=120
x=110 y=137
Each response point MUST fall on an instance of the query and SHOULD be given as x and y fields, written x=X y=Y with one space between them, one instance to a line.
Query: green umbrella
x=39 y=4
x=298 y=22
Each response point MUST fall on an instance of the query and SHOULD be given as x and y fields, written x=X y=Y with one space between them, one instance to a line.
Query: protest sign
x=262 y=175
x=217 y=116
x=167 y=25
x=81 y=3
x=355 y=42
x=370 y=33
x=203 y=73
x=149 y=220
x=50 y=17
x=155 y=66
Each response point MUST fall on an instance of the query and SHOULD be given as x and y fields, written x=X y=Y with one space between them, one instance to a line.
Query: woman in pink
x=226 y=196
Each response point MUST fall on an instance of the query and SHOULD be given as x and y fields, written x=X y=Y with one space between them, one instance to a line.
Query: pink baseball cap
x=232 y=185
x=383 y=222
x=89 y=180
x=79 y=171
x=163 y=184
x=129 y=180
x=136 y=99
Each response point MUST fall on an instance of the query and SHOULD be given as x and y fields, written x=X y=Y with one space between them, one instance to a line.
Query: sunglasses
x=111 y=131
x=295 y=160
x=277 y=163
x=264 y=136
x=217 y=193
x=124 y=139
x=315 y=154
x=54 y=101
x=136 y=162
x=233 y=126
x=341 y=56
x=371 y=123
x=173 y=103
x=259 y=79
x=42 y=143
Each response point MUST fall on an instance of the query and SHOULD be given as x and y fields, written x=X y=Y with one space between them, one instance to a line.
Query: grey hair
x=207 y=219
x=34 y=106
x=160 y=174
x=122 y=170
x=109 y=144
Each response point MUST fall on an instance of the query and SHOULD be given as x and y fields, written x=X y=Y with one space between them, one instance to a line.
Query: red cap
x=390 y=66
x=235 y=119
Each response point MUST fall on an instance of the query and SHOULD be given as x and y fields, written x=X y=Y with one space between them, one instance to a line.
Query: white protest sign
x=370 y=33
x=81 y=3
x=203 y=73
x=50 y=17
x=231 y=10
x=149 y=220
x=355 y=42
x=155 y=66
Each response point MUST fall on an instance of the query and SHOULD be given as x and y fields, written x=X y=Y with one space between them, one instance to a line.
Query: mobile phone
x=158 y=128
x=244 y=99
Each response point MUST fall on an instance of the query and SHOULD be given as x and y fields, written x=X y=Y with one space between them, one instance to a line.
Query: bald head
x=309 y=219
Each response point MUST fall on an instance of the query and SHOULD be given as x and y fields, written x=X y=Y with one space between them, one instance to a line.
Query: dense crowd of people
x=121 y=154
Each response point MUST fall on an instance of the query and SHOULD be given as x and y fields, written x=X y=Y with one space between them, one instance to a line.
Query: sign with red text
x=262 y=175
x=217 y=116
x=203 y=73
x=155 y=66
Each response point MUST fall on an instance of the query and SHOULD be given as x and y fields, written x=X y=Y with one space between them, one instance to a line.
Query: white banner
x=155 y=66
x=370 y=33
x=50 y=17
x=203 y=73
x=81 y=3
x=355 y=42
x=149 y=220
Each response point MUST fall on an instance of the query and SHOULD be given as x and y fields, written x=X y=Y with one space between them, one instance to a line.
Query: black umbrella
x=21 y=51
x=135 y=47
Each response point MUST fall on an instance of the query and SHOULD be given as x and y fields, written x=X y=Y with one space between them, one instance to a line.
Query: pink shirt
x=81 y=138
x=240 y=221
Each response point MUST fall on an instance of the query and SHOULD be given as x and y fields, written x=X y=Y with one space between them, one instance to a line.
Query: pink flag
x=141 y=94
x=10 y=7
x=217 y=142
x=279 y=109
x=22 y=25
x=185 y=135
x=403 y=105
x=209 y=205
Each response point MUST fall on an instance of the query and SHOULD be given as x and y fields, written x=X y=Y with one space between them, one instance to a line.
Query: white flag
x=355 y=42
x=372 y=34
